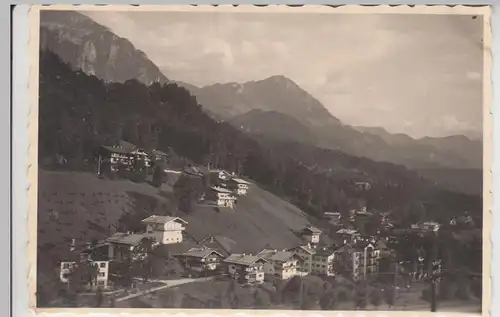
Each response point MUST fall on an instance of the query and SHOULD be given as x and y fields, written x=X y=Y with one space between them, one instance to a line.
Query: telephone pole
x=432 y=278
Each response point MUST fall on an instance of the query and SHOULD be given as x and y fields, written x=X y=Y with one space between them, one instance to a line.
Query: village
x=348 y=253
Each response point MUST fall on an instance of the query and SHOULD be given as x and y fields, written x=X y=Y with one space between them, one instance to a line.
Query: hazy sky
x=416 y=74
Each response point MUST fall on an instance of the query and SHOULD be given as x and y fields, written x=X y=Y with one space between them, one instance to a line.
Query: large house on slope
x=122 y=156
x=304 y=255
x=246 y=268
x=165 y=229
x=281 y=264
x=201 y=260
x=123 y=247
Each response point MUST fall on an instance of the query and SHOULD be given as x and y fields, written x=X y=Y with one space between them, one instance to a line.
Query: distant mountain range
x=310 y=122
x=275 y=107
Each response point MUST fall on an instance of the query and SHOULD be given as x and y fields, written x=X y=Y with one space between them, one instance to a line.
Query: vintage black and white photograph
x=278 y=158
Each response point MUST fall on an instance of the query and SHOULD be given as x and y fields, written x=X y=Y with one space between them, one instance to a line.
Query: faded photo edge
x=34 y=27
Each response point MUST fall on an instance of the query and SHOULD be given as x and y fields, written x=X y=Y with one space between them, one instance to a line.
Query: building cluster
x=206 y=259
x=354 y=255
x=224 y=189
x=125 y=156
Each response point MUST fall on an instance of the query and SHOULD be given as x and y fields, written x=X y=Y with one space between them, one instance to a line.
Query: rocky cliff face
x=91 y=47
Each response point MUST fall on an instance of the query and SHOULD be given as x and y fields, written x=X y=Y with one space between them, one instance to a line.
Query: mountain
x=94 y=49
x=276 y=93
x=274 y=124
x=236 y=102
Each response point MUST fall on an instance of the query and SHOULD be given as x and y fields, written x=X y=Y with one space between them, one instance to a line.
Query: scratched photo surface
x=251 y=160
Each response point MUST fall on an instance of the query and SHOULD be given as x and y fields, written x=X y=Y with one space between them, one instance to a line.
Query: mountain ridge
x=94 y=49
x=281 y=94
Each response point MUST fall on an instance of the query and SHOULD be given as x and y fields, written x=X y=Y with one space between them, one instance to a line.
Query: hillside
x=91 y=47
x=80 y=206
x=469 y=181
x=273 y=124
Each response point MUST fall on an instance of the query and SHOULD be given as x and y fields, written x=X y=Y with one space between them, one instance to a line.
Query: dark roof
x=121 y=147
x=381 y=245
x=312 y=229
x=219 y=243
x=347 y=231
x=127 y=238
x=158 y=152
x=306 y=248
x=200 y=252
x=276 y=255
x=162 y=219
x=240 y=181
x=243 y=259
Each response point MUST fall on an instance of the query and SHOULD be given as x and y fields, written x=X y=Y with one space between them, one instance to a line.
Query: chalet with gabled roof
x=304 y=254
x=200 y=260
x=221 y=244
x=311 y=234
x=127 y=246
x=221 y=197
x=281 y=264
x=246 y=268
x=122 y=156
x=165 y=229
x=239 y=186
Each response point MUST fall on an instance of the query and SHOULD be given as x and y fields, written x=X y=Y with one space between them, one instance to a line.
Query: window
x=102 y=274
x=66 y=266
x=103 y=264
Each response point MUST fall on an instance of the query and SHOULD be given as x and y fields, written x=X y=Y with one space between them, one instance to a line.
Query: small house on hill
x=333 y=217
x=347 y=235
x=363 y=186
x=221 y=197
x=127 y=246
x=159 y=156
x=240 y=186
x=200 y=260
x=222 y=175
x=281 y=264
x=165 y=229
x=99 y=277
x=311 y=234
x=428 y=226
x=246 y=268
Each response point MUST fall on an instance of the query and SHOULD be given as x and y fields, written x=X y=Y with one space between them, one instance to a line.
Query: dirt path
x=167 y=284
